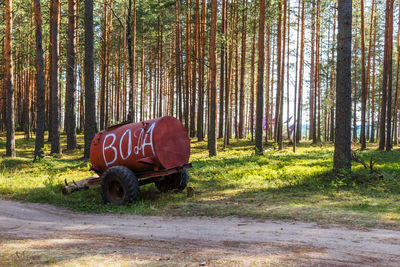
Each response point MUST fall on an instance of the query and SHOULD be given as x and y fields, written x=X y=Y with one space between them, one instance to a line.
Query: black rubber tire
x=177 y=180
x=119 y=186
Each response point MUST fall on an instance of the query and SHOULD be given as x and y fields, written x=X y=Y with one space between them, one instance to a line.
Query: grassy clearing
x=278 y=185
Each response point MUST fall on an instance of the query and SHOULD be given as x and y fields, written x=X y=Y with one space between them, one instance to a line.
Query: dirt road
x=43 y=234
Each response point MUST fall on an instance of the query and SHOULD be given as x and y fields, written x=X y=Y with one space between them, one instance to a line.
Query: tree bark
x=282 y=77
x=312 y=76
x=301 y=69
x=187 y=68
x=332 y=89
x=212 y=140
x=90 y=97
x=395 y=113
x=317 y=92
x=260 y=79
x=296 y=79
x=40 y=116
x=131 y=39
x=389 y=72
x=9 y=81
x=194 y=70
x=279 y=72
x=342 y=154
x=54 y=77
x=201 y=47
x=252 y=70
x=372 y=135
x=222 y=75
x=103 y=57
x=178 y=59
x=242 y=72
x=363 y=80
x=70 y=115
x=385 y=141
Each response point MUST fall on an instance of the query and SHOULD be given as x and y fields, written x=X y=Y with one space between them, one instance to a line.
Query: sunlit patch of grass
x=279 y=184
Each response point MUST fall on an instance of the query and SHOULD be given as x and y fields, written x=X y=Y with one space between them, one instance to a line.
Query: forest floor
x=41 y=234
x=295 y=192
x=278 y=185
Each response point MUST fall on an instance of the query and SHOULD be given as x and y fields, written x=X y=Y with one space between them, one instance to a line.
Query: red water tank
x=162 y=143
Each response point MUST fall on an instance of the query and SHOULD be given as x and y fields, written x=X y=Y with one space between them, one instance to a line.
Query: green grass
x=277 y=185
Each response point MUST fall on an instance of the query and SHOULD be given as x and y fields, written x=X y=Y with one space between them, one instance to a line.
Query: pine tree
x=70 y=115
x=90 y=97
x=9 y=80
x=342 y=154
x=260 y=79
x=40 y=116
x=54 y=77
x=212 y=140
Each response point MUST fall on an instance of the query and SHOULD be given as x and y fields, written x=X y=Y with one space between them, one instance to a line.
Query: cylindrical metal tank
x=162 y=143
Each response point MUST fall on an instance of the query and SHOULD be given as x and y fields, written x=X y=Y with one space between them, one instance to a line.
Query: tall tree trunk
x=267 y=78
x=160 y=68
x=372 y=139
x=103 y=64
x=228 y=35
x=236 y=81
x=282 y=81
x=187 y=69
x=363 y=80
x=107 y=88
x=212 y=140
x=279 y=71
x=9 y=81
x=389 y=71
x=387 y=80
x=222 y=74
x=178 y=59
x=317 y=91
x=54 y=77
x=194 y=70
x=27 y=97
x=312 y=76
x=90 y=96
x=271 y=70
x=40 y=116
x=301 y=69
x=131 y=39
x=252 y=67
x=242 y=72
x=296 y=79
x=260 y=79
x=287 y=72
x=395 y=113
x=200 y=110
x=355 y=90
x=70 y=115
x=81 y=79
x=142 y=79
x=342 y=154
x=332 y=127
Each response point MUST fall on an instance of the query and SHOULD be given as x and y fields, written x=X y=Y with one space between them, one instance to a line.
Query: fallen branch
x=82 y=184
x=371 y=163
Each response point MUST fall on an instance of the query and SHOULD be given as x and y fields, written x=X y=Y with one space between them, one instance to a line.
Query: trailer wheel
x=177 y=180
x=119 y=186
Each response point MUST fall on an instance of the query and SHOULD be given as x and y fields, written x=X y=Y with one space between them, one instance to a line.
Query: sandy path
x=165 y=240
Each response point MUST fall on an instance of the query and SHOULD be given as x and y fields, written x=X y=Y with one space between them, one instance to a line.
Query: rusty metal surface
x=144 y=147
x=148 y=174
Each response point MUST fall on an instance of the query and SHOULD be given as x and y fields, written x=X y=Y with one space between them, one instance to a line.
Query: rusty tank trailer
x=128 y=155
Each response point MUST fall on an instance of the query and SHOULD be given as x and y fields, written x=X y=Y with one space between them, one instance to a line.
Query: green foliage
x=278 y=185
